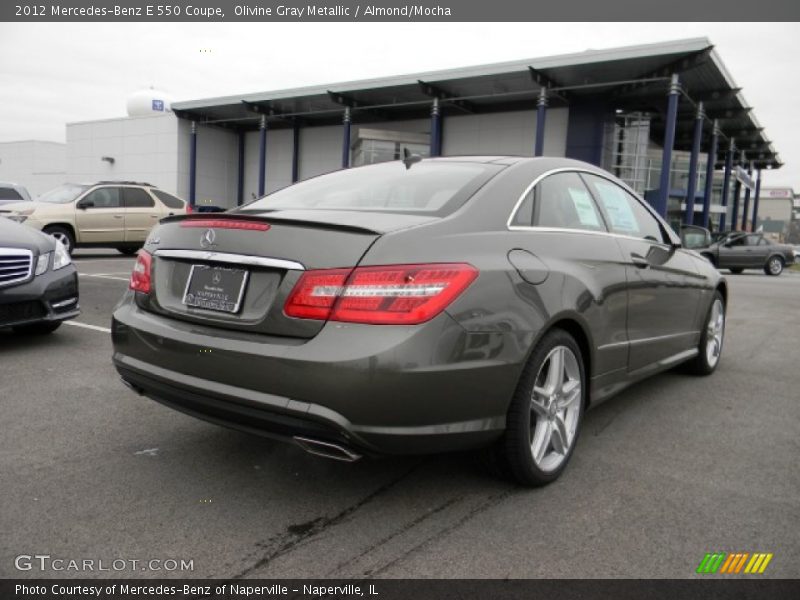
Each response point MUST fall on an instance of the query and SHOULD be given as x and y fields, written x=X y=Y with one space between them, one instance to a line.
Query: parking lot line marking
x=103 y=276
x=87 y=326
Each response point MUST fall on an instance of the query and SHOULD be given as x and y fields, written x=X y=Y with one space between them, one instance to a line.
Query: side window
x=137 y=198
x=562 y=200
x=107 y=197
x=624 y=212
x=7 y=193
x=737 y=241
x=753 y=240
x=763 y=242
x=524 y=215
x=168 y=199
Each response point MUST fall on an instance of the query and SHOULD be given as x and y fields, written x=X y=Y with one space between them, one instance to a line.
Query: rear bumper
x=52 y=296
x=380 y=390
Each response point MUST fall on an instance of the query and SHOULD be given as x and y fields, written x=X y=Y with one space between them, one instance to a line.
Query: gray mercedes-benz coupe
x=419 y=306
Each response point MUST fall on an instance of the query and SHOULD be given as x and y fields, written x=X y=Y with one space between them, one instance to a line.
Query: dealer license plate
x=215 y=288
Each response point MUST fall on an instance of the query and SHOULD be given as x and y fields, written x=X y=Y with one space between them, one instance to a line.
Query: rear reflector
x=140 y=276
x=388 y=295
x=225 y=224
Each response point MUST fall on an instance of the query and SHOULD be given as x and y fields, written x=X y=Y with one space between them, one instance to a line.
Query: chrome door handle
x=640 y=262
x=118 y=216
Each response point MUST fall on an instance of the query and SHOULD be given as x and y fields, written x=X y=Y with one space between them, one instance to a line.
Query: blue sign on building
x=158 y=105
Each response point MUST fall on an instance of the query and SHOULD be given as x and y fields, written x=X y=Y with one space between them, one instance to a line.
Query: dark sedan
x=739 y=251
x=415 y=307
x=38 y=282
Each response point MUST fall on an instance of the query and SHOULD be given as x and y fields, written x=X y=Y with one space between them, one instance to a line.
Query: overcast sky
x=52 y=74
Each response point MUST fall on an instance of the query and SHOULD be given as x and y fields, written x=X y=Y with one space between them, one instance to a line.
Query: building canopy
x=635 y=78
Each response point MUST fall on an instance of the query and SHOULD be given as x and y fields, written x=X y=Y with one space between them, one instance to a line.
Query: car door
x=663 y=283
x=559 y=223
x=141 y=214
x=735 y=253
x=100 y=217
x=759 y=249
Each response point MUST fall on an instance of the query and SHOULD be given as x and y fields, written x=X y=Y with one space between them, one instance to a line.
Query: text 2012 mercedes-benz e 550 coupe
x=419 y=306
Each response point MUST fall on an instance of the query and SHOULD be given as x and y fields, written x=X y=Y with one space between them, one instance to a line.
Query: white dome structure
x=148 y=103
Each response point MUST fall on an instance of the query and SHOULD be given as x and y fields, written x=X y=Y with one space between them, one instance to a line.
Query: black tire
x=736 y=270
x=42 y=328
x=702 y=364
x=774 y=265
x=62 y=234
x=512 y=456
x=128 y=250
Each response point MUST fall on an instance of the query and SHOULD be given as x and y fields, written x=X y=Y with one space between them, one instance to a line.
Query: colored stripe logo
x=734 y=563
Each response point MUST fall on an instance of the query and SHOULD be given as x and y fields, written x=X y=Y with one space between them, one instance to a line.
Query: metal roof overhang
x=631 y=78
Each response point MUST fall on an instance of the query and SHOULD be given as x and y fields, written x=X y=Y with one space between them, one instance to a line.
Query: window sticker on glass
x=584 y=208
x=617 y=207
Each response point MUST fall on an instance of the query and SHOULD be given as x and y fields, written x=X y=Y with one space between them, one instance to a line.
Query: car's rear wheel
x=545 y=414
x=63 y=235
x=42 y=328
x=774 y=266
x=710 y=347
x=736 y=270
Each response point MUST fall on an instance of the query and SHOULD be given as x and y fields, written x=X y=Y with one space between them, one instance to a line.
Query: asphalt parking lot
x=673 y=468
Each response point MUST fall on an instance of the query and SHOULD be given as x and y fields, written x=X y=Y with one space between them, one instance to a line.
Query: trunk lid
x=249 y=262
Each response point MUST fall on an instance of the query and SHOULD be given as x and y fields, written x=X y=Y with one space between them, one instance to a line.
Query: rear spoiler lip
x=266 y=218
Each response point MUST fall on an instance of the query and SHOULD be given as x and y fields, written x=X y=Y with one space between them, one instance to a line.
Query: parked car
x=38 y=282
x=739 y=251
x=416 y=307
x=694 y=236
x=13 y=192
x=119 y=214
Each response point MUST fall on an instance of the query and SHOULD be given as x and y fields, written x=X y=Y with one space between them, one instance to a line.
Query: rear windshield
x=168 y=199
x=427 y=188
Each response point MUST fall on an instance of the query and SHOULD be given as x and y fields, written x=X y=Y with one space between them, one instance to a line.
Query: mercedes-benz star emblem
x=216 y=278
x=208 y=238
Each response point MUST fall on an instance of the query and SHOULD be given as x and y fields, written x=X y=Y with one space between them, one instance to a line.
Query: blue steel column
x=346 y=139
x=295 y=152
x=691 y=188
x=747 y=197
x=541 y=114
x=756 y=198
x=712 y=159
x=669 y=141
x=240 y=172
x=193 y=165
x=436 y=129
x=262 y=156
x=726 y=183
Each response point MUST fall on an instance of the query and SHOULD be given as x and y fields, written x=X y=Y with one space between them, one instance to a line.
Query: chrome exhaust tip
x=327 y=449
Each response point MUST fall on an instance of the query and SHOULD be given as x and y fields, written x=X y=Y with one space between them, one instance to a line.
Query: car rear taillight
x=189 y=209
x=140 y=276
x=388 y=295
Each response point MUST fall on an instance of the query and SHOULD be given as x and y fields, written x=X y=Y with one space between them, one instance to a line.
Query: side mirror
x=84 y=204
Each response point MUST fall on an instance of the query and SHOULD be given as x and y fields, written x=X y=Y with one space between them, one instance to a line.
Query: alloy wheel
x=775 y=265
x=555 y=408
x=715 y=332
x=63 y=238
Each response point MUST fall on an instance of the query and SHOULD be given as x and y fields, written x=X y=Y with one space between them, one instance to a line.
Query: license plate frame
x=212 y=296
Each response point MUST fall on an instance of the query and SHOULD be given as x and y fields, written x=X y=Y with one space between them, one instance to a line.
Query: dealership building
x=667 y=118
